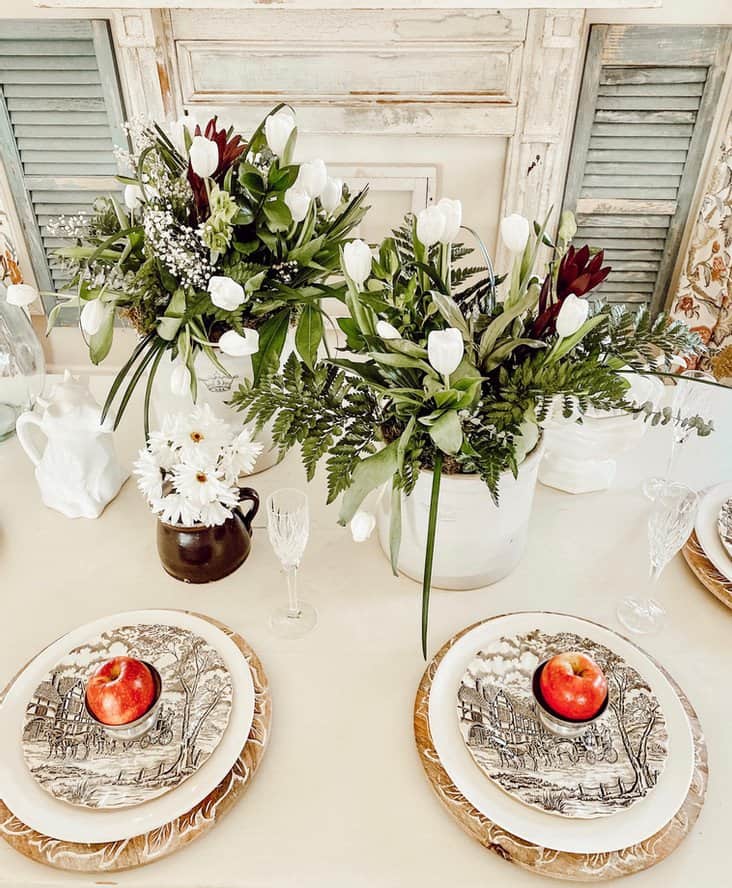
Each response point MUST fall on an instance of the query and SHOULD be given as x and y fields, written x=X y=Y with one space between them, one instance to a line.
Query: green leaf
x=272 y=335
x=508 y=315
x=498 y=355
x=449 y=310
x=564 y=346
x=369 y=474
x=395 y=527
x=278 y=215
x=309 y=334
x=101 y=342
x=171 y=321
x=447 y=433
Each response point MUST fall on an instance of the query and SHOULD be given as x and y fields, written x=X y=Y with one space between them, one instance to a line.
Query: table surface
x=341 y=798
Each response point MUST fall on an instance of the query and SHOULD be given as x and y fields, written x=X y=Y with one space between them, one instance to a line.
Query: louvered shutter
x=61 y=117
x=645 y=110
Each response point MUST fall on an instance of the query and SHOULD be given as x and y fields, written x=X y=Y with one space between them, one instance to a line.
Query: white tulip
x=515 y=232
x=387 y=330
x=357 y=262
x=312 y=178
x=332 y=194
x=362 y=526
x=231 y=343
x=278 y=129
x=178 y=129
x=226 y=293
x=572 y=315
x=21 y=294
x=133 y=197
x=452 y=210
x=431 y=223
x=180 y=380
x=297 y=202
x=204 y=156
x=92 y=316
x=445 y=349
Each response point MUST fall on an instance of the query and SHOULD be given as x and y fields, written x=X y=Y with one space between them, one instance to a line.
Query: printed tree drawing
x=636 y=714
x=202 y=680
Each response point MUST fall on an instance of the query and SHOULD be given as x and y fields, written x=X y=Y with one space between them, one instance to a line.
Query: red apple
x=573 y=686
x=120 y=691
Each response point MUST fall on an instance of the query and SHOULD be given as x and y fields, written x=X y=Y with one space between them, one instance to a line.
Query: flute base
x=641 y=617
x=293 y=624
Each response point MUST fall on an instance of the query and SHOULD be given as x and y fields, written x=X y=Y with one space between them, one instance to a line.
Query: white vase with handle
x=77 y=469
x=477 y=543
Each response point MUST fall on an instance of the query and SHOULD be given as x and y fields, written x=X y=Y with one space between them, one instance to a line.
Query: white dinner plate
x=706 y=528
x=31 y=804
x=574 y=836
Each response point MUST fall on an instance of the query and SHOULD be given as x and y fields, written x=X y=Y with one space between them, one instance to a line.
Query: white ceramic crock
x=477 y=543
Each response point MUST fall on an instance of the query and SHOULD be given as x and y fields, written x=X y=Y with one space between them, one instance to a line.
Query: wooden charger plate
x=706 y=572
x=158 y=843
x=546 y=861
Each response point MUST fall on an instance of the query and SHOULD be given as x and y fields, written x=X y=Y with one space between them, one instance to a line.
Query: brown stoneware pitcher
x=200 y=554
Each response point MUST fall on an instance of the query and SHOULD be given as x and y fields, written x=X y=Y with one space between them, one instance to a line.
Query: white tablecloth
x=341 y=799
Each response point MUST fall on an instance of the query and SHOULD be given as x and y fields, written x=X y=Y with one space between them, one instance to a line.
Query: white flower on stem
x=175 y=509
x=452 y=211
x=362 y=526
x=244 y=454
x=445 y=350
x=357 y=262
x=159 y=446
x=332 y=195
x=278 y=129
x=572 y=315
x=236 y=346
x=134 y=197
x=204 y=155
x=387 y=330
x=92 y=316
x=515 y=232
x=226 y=293
x=213 y=513
x=147 y=468
x=21 y=295
x=200 y=436
x=431 y=224
x=178 y=129
x=180 y=380
x=297 y=202
x=200 y=484
x=312 y=178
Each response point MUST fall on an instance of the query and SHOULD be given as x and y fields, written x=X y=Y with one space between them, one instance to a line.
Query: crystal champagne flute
x=669 y=526
x=288 y=525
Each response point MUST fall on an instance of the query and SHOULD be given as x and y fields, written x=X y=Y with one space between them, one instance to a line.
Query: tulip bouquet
x=448 y=377
x=221 y=246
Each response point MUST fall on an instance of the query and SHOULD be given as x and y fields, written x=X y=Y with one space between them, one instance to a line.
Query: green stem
x=677 y=377
x=430 y=550
x=148 y=391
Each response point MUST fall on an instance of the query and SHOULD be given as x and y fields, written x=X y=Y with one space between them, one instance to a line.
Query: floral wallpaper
x=704 y=296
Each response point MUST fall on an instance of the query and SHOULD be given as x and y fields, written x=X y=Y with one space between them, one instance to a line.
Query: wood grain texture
x=706 y=572
x=546 y=861
x=129 y=853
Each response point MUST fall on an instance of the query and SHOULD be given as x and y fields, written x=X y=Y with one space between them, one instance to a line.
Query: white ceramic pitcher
x=77 y=470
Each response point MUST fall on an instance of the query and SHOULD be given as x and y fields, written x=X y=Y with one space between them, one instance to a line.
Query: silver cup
x=138 y=728
x=556 y=724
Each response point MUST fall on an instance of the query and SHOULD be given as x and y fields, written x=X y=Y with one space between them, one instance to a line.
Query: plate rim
x=707 y=536
x=543 y=829
x=99 y=825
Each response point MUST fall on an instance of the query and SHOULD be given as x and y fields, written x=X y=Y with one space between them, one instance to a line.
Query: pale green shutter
x=61 y=117
x=646 y=105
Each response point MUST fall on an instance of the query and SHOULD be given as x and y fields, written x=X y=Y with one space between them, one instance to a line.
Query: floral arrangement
x=189 y=469
x=221 y=245
x=449 y=378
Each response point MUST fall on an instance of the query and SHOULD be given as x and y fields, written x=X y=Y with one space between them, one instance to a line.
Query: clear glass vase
x=22 y=367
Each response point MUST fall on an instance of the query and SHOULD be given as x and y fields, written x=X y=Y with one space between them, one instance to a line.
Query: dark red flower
x=578 y=274
x=230 y=150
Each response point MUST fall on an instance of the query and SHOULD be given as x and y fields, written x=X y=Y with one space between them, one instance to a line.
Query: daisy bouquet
x=222 y=243
x=189 y=470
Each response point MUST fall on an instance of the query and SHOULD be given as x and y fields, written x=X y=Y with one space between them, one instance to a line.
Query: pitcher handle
x=248 y=494
x=24 y=429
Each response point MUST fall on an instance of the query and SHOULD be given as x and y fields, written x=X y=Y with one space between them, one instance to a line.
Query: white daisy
x=175 y=509
x=200 y=484
x=201 y=436
x=149 y=474
x=243 y=454
x=213 y=513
